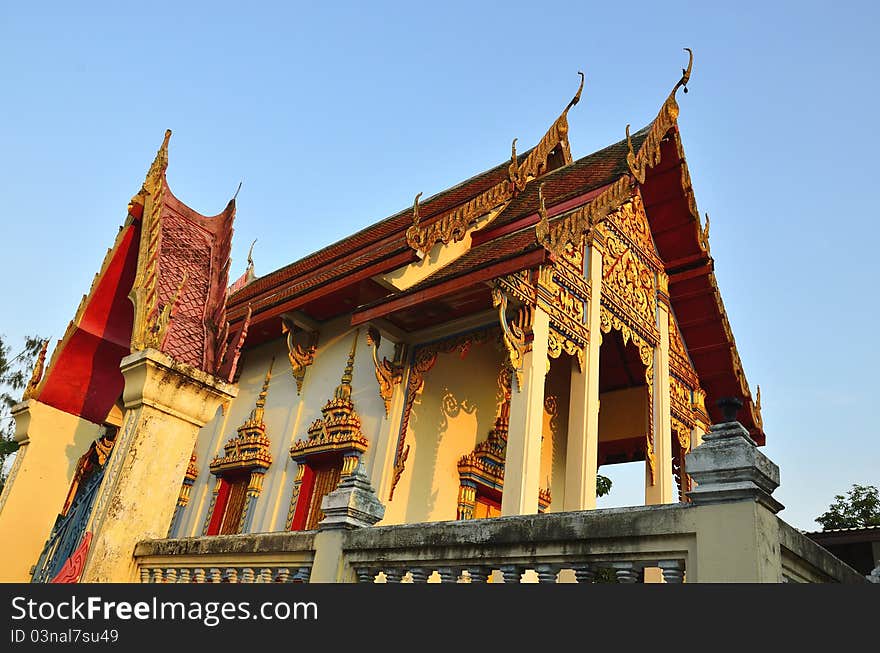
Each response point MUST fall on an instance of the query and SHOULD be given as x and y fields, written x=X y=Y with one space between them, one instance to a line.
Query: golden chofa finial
x=157 y=168
x=543 y=226
x=343 y=391
x=685 y=72
x=577 y=96
x=249 y=271
x=416 y=210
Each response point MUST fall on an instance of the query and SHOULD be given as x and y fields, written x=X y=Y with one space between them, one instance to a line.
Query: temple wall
x=287 y=416
x=455 y=410
x=556 y=400
x=52 y=443
x=623 y=414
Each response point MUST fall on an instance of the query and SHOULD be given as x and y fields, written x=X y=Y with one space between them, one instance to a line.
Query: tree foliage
x=859 y=508
x=603 y=485
x=15 y=372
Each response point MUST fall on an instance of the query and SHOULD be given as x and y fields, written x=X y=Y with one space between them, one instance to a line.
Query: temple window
x=331 y=451
x=240 y=473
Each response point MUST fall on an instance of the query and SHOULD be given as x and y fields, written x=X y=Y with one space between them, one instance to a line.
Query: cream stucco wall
x=287 y=416
x=556 y=400
x=52 y=443
x=455 y=410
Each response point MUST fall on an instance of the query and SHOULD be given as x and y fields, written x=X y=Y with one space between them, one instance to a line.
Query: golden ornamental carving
x=563 y=295
x=607 y=321
x=37 y=373
x=250 y=448
x=681 y=401
x=679 y=358
x=648 y=155
x=388 y=373
x=629 y=284
x=570 y=230
x=148 y=330
x=300 y=354
x=631 y=223
x=703 y=235
x=339 y=428
x=423 y=360
x=453 y=225
x=516 y=334
x=683 y=433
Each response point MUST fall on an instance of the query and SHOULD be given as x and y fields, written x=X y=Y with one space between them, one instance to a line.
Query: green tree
x=15 y=372
x=860 y=507
x=603 y=485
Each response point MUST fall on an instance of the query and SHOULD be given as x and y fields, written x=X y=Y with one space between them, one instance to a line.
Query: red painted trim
x=268 y=311
x=219 y=508
x=305 y=498
x=509 y=266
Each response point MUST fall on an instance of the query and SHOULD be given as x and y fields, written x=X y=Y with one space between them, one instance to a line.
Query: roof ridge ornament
x=648 y=155
x=416 y=217
x=454 y=224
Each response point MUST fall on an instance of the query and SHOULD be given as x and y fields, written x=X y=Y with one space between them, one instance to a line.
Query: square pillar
x=522 y=464
x=582 y=448
x=662 y=490
x=166 y=403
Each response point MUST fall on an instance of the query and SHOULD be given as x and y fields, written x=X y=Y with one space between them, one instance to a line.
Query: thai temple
x=431 y=398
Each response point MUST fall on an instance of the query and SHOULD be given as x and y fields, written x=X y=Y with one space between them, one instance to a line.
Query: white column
x=522 y=465
x=582 y=448
x=662 y=490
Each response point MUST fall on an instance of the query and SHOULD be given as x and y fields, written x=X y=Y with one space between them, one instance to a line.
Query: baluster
x=184 y=575
x=158 y=576
x=365 y=575
x=512 y=573
x=419 y=574
x=447 y=575
x=214 y=575
x=283 y=575
x=626 y=572
x=393 y=575
x=584 y=573
x=302 y=574
x=145 y=575
x=230 y=575
x=247 y=575
x=265 y=575
x=171 y=576
x=673 y=570
x=199 y=575
x=479 y=574
x=547 y=573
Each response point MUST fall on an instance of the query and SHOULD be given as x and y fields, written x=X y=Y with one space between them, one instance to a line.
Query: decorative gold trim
x=516 y=334
x=571 y=229
x=36 y=373
x=454 y=225
x=249 y=450
x=607 y=321
x=301 y=356
x=388 y=373
x=339 y=428
x=649 y=153
x=147 y=331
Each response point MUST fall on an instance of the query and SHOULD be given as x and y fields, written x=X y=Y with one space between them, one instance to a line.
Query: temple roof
x=345 y=277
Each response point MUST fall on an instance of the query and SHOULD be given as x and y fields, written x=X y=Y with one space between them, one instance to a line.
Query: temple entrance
x=624 y=410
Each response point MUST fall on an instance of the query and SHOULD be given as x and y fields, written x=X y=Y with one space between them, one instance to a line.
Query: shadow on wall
x=456 y=410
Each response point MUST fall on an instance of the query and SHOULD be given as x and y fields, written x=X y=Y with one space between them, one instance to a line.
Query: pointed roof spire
x=343 y=390
x=159 y=165
x=249 y=274
x=259 y=410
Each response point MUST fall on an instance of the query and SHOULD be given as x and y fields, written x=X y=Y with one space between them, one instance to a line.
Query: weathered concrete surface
x=166 y=403
x=728 y=466
x=229 y=545
x=803 y=559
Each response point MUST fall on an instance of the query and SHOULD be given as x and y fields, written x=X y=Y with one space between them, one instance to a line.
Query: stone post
x=166 y=403
x=737 y=527
x=353 y=504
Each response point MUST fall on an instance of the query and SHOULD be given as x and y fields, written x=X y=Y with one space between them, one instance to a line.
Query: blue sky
x=336 y=116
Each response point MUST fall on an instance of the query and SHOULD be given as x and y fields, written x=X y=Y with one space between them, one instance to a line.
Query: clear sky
x=336 y=115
